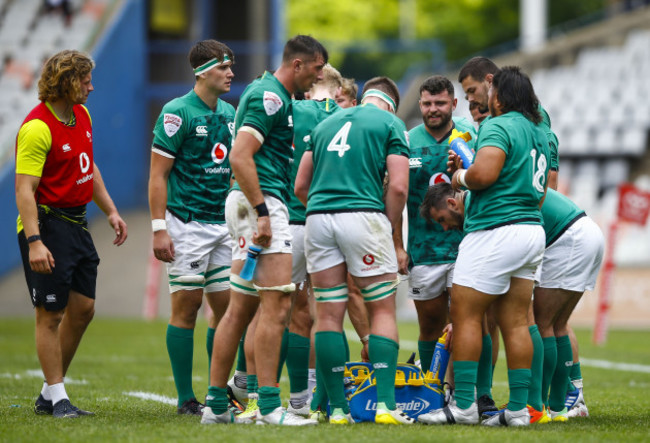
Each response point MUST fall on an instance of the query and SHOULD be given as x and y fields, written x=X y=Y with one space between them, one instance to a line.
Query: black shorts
x=75 y=263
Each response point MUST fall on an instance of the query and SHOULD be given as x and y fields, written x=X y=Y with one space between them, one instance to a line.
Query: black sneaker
x=191 y=407
x=43 y=407
x=81 y=411
x=486 y=405
x=64 y=409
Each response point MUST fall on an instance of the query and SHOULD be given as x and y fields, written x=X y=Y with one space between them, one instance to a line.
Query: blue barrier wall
x=120 y=124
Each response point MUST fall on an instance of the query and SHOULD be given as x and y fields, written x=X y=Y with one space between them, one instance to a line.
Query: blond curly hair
x=62 y=74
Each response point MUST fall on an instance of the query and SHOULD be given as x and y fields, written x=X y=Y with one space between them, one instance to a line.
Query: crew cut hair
x=477 y=68
x=303 y=46
x=436 y=197
x=385 y=85
x=436 y=84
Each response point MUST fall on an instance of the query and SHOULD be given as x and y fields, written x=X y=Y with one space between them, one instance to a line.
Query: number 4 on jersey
x=340 y=141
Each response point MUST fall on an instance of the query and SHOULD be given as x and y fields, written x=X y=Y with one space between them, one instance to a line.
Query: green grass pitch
x=120 y=356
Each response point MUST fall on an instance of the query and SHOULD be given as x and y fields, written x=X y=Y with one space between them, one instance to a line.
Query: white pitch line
x=410 y=345
x=151 y=396
x=604 y=364
x=37 y=373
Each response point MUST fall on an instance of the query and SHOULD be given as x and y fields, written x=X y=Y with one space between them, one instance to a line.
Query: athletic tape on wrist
x=158 y=224
x=461 y=177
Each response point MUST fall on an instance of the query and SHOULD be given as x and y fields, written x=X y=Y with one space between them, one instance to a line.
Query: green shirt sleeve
x=171 y=129
x=398 y=139
x=492 y=134
x=263 y=112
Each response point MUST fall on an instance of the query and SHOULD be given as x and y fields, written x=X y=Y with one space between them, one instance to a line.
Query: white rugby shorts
x=572 y=262
x=241 y=219
x=362 y=240
x=427 y=282
x=299 y=261
x=488 y=260
x=196 y=246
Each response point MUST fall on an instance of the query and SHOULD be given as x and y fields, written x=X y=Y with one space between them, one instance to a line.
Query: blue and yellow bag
x=415 y=393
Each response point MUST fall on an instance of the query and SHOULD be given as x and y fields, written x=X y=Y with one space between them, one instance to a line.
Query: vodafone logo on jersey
x=242 y=242
x=84 y=162
x=368 y=259
x=438 y=177
x=219 y=153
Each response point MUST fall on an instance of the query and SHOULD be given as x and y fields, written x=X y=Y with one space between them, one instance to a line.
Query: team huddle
x=314 y=187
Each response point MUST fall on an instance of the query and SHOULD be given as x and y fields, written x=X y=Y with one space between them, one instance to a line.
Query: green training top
x=559 y=213
x=306 y=115
x=515 y=196
x=199 y=141
x=349 y=152
x=429 y=243
x=266 y=106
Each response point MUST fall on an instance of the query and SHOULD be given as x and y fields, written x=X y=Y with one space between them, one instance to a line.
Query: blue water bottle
x=458 y=143
x=248 y=269
x=440 y=360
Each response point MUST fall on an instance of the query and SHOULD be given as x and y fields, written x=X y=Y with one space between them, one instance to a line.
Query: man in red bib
x=55 y=178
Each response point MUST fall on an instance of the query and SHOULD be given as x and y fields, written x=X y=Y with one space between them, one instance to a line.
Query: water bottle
x=458 y=143
x=248 y=269
x=440 y=360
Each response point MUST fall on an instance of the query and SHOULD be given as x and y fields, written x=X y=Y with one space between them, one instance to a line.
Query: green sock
x=180 y=346
x=319 y=400
x=269 y=399
x=298 y=362
x=425 y=349
x=209 y=343
x=346 y=345
x=330 y=357
x=241 y=355
x=561 y=375
x=251 y=383
x=217 y=399
x=465 y=373
x=383 y=356
x=536 y=369
x=284 y=349
x=484 y=371
x=575 y=374
x=550 y=361
x=518 y=381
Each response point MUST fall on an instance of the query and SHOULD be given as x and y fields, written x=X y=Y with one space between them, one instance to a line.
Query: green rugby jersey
x=551 y=137
x=558 y=213
x=306 y=115
x=349 y=152
x=266 y=106
x=199 y=141
x=545 y=124
x=515 y=196
x=429 y=243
